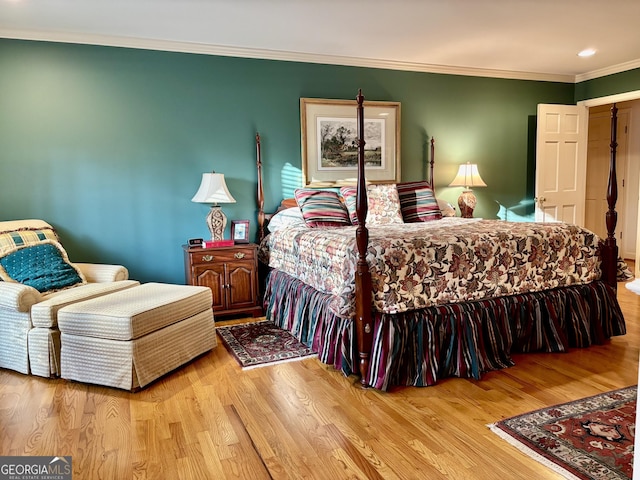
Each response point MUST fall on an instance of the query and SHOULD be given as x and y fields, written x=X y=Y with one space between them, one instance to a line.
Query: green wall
x=108 y=144
x=609 y=85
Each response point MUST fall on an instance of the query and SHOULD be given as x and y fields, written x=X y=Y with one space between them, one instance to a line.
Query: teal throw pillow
x=43 y=266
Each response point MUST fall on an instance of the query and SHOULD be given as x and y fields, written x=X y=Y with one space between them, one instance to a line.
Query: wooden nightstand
x=230 y=272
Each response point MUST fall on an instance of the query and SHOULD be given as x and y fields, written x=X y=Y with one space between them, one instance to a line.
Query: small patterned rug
x=586 y=439
x=262 y=343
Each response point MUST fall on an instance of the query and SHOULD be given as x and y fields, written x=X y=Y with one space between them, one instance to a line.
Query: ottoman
x=44 y=337
x=129 y=338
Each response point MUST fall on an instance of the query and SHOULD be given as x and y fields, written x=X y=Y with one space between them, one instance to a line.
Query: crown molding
x=621 y=67
x=266 y=54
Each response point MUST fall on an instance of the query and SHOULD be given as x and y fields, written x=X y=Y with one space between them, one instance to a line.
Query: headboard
x=263 y=218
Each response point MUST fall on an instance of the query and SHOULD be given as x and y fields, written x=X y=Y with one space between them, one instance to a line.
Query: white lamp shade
x=468 y=177
x=213 y=189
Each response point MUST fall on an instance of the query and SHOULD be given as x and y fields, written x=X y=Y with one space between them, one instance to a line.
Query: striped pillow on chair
x=418 y=202
x=321 y=208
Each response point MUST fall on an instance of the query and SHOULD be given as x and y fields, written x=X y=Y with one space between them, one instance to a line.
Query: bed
x=411 y=300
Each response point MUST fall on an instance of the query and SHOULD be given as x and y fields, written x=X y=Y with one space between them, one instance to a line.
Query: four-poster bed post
x=431 y=163
x=610 y=249
x=261 y=216
x=363 y=275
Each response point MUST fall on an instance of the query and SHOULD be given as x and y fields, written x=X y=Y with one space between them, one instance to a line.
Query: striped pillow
x=418 y=202
x=321 y=208
x=23 y=237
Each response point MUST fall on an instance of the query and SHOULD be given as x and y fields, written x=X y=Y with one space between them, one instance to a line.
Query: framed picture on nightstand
x=240 y=231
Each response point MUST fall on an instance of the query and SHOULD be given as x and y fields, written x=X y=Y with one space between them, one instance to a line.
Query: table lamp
x=214 y=190
x=467 y=177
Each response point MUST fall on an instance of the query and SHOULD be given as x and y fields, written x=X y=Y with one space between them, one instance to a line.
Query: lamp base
x=467 y=202
x=216 y=221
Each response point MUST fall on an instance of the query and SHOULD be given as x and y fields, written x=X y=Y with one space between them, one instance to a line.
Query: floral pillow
x=321 y=208
x=418 y=202
x=383 y=203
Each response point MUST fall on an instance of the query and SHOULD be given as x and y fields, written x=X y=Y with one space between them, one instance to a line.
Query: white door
x=561 y=163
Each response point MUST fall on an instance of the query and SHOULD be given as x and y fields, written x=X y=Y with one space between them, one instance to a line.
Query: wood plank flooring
x=211 y=420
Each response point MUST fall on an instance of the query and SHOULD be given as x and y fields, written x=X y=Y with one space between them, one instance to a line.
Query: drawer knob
x=239 y=255
x=207 y=258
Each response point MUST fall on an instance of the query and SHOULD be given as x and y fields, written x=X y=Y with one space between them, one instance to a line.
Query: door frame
x=616 y=98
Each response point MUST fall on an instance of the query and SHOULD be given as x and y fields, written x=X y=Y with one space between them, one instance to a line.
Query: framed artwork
x=240 y=231
x=329 y=141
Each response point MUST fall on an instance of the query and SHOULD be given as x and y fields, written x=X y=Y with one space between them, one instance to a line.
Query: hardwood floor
x=303 y=419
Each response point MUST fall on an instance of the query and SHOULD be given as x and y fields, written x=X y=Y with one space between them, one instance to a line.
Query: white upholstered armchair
x=36 y=280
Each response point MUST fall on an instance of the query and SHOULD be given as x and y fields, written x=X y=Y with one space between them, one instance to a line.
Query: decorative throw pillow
x=14 y=238
x=43 y=266
x=446 y=208
x=418 y=203
x=286 y=218
x=321 y=208
x=383 y=204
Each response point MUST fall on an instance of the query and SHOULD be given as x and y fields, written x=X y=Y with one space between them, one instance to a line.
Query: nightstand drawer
x=212 y=255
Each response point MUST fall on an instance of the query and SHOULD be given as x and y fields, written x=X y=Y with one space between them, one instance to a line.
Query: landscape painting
x=329 y=133
x=338 y=146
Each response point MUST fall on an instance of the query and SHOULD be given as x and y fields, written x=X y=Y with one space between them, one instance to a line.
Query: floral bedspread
x=417 y=265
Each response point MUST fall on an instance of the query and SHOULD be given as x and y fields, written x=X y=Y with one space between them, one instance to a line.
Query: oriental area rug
x=586 y=439
x=262 y=343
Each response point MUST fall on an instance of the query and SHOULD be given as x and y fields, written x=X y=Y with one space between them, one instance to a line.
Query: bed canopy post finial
x=261 y=216
x=364 y=327
x=610 y=248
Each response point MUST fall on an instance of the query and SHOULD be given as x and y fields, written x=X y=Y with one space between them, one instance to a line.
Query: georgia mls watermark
x=35 y=468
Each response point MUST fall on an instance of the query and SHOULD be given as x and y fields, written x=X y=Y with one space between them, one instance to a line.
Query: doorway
x=628 y=223
x=598 y=159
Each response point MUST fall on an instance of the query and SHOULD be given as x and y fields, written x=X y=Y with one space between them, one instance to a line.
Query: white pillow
x=286 y=218
x=446 y=208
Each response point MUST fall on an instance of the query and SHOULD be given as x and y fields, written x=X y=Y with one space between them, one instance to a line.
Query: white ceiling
x=529 y=39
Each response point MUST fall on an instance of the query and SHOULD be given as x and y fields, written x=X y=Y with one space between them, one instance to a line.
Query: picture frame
x=240 y=231
x=329 y=147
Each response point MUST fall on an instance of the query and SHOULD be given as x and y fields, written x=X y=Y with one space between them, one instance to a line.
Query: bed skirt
x=419 y=347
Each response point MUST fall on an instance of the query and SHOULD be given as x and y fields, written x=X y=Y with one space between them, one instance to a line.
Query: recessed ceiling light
x=587 y=52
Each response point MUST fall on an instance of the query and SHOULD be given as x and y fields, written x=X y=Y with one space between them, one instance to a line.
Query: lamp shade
x=468 y=177
x=213 y=189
